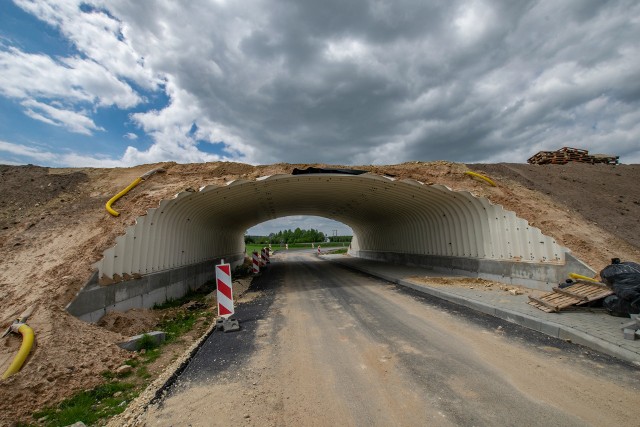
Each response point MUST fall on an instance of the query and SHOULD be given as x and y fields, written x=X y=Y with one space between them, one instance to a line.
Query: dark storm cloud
x=473 y=81
x=385 y=81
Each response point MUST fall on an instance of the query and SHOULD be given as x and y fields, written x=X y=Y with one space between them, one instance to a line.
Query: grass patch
x=339 y=251
x=151 y=356
x=90 y=406
x=108 y=375
x=143 y=373
x=252 y=247
x=249 y=249
x=147 y=342
x=99 y=404
x=180 y=324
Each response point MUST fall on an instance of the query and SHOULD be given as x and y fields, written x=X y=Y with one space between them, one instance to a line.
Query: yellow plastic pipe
x=27 y=342
x=576 y=276
x=120 y=194
x=482 y=177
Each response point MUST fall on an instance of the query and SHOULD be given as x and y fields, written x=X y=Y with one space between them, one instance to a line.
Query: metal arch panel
x=386 y=215
x=480 y=223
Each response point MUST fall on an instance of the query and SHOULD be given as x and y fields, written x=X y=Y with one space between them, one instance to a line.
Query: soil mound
x=53 y=228
x=606 y=195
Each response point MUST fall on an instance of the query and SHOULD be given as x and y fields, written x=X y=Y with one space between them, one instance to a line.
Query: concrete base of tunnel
x=532 y=275
x=94 y=301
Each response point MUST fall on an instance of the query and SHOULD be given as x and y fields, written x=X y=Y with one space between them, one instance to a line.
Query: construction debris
x=569 y=154
x=631 y=330
x=226 y=325
x=624 y=280
x=579 y=293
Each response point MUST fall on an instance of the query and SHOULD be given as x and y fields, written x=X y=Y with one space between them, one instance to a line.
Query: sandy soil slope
x=53 y=227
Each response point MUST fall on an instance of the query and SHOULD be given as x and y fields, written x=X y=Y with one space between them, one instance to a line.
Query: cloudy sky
x=120 y=82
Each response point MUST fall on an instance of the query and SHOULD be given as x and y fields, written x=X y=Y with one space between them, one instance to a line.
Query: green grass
x=90 y=406
x=147 y=342
x=257 y=248
x=181 y=324
x=99 y=404
x=339 y=251
x=143 y=373
x=151 y=356
x=96 y=405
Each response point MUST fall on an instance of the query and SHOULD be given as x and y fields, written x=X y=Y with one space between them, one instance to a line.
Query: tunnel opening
x=299 y=229
x=176 y=245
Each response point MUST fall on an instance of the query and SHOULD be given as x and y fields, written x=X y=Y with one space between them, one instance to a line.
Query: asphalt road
x=322 y=345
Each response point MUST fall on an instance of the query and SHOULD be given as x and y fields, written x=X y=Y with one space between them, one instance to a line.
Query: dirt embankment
x=53 y=228
x=594 y=210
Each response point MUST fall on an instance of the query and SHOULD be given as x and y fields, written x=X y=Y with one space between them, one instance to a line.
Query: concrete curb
x=546 y=327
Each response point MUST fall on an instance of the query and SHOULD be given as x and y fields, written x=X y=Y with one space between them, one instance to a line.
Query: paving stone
x=595 y=329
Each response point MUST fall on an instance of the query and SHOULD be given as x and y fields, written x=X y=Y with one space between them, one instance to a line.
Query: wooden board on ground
x=579 y=293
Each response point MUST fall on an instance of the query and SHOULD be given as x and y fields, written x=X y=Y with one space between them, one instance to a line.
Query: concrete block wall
x=541 y=276
x=94 y=301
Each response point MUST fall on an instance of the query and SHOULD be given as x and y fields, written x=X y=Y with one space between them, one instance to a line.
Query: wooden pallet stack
x=581 y=292
x=569 y=154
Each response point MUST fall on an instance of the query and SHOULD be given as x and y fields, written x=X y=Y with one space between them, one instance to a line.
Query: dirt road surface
x=54 y=227
x=322 y=345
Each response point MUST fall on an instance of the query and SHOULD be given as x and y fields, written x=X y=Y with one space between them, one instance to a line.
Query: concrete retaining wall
x=532 y=275
x=94 y=301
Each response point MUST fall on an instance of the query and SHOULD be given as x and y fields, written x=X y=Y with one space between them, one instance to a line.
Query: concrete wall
x=533 y=275
x=94 y=301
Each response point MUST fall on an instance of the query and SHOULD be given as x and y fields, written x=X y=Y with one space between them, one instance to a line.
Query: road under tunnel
x=321 y=344
x=173 y=247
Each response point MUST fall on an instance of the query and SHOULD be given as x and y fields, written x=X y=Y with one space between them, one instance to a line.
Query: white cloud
x=26 y=152
x=42 y=84
x=473 y=21
x=38 y=76
x=96 y=34
x=354 y=82
x=77 y=122
x=347 y=49
x=21 y=154
x=78 y=160
x=130 y=136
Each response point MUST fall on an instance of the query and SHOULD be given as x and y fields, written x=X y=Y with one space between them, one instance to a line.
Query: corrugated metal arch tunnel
x=394 y=220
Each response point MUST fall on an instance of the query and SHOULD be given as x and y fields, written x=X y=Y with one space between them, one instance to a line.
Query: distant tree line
x=295 y=236
x=340 y=238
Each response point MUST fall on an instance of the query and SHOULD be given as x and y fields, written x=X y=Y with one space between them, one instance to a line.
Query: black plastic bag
x=616 y=306
x=619 y=270
x=624 y=278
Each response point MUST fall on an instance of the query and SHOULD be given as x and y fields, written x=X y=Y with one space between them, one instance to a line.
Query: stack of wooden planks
x=569 y=154
x=581 y=292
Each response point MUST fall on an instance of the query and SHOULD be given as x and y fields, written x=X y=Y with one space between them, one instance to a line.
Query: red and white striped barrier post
x=256 y=263
x=263 y=258
x=225 y=290
x=266 y=252
x=318 y=249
